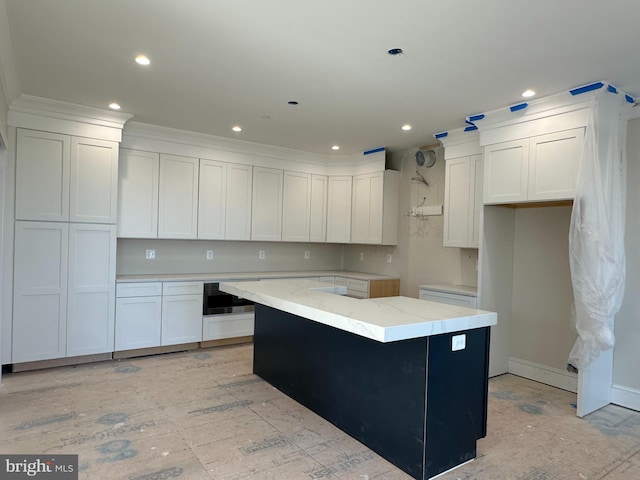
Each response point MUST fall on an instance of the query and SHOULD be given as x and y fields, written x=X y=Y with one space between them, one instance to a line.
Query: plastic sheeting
x=596 y=233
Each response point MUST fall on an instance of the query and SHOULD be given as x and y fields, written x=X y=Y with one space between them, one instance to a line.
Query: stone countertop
x=235 y=276
x=451 y=288
x=385 y=319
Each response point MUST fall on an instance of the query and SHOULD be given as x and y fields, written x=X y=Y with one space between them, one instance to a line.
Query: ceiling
x=220 y=63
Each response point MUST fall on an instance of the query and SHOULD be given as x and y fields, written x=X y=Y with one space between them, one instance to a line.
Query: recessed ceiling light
x=406 y=127
x=236 y=128
x=335 y=147
x=114 y=106
x=142 y=60
x=528 y=93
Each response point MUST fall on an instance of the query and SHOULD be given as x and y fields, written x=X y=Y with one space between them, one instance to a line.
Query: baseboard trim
x=625 y=397
x=60 y=362
x=544 y=374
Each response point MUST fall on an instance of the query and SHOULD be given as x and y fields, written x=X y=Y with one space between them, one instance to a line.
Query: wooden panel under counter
x=384 y=288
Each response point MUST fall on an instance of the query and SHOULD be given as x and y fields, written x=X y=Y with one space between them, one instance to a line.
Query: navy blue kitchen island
x=419 y=402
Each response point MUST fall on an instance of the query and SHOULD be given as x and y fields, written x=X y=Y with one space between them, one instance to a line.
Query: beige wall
x=626 y=359
x=541 y=329
x=189 y=256
x=419 y=257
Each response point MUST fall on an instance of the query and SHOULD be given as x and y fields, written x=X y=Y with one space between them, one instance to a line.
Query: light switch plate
x=307 y=254
x=150 y=254
x=458 y=342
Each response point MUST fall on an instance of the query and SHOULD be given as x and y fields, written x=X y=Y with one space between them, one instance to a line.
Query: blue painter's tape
x=612 y=89
x=468 y=122
x=586 y=88
x=470 y=128
x=440 y=135
x=475 y=118
x=629 y=99
x=520 y=106
x=375 y=150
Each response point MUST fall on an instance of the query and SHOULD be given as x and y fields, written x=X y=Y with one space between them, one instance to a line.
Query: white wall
x=189 y=256
x=626 y=359
x=419 y=258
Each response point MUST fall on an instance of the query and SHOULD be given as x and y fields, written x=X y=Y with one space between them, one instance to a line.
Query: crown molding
x=46 y=107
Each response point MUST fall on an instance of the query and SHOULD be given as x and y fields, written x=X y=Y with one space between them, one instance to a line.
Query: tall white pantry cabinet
x=65 y=245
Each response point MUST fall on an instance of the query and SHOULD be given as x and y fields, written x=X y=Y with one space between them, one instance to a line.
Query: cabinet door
x=212 y=197
x=553 y=165
x=181 y=319
x=296 y=207
x=505 y=172
x=238 y=204
x=475 y=226
x=40 y=291
x=318 y=210
x=339 y=210
x=93 y=195
x=266 y=204
x=138 y=322
x=91 y=289
x=138 y=177
x=457 y=199
x=42 y=176
x=361 y=209
x=178 y=197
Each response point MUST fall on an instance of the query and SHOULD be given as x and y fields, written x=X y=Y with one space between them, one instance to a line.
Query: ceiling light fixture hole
x=292 y=102
x=395 y=51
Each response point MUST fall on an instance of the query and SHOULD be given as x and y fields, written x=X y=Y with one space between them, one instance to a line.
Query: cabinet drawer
x=182 y=288
x=358 y=285
x=233 y=325
x=329 y=280
x=142 y=289
x=340 y=281
x=449 y=298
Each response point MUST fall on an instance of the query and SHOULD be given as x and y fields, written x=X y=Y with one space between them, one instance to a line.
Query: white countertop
x=451 y=288
x=233 y=276
x=384 y=319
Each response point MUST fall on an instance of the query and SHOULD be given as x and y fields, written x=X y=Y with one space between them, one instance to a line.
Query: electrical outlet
x=209 y=254
x=458 y=342
x=150 y=254
x=361 y=256
x=388 y=258
x=262 y=255
x=307 y=254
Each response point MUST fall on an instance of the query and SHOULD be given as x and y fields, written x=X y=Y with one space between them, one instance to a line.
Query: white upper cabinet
x=374 y=217
x=43 y=169
x=91 y=289
x=296 y=207
x=62 y=178
x=318 y=208
x=138 y=177
x=506 y=167
x=266 y=204
x=339 y=209
x=462 y=201
x=539 y=168
x=553 y=165
x=94 y=181
x=212 y=199
x=238 y=203
x=178 y=197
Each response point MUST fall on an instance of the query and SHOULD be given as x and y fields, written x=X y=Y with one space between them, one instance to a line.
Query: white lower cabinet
x=153 y=314
x=216 y=327
x=181 y=312
x=64 y=290
x=138 y=315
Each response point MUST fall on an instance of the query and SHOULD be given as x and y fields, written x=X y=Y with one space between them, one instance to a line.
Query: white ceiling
x=217 y=63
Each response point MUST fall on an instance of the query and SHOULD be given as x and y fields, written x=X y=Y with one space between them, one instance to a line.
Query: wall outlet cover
x=209 y=254
x=150 y=254
x=262 y=254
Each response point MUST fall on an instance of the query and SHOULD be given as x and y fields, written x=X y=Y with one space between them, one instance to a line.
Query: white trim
x=459 y=143
x=544 y=374
x=625 y=397
x=153 y=138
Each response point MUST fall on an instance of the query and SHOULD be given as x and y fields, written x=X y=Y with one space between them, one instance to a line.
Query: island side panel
x=373 y=391
x=456 y=399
